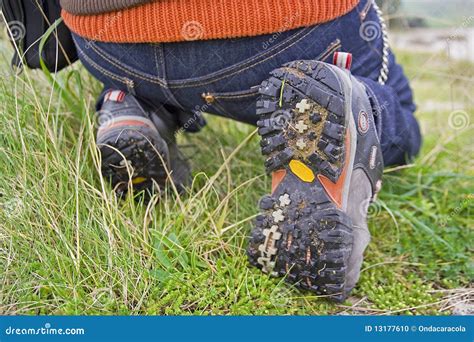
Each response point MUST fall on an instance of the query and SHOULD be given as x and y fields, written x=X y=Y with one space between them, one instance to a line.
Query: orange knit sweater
x=180 y=20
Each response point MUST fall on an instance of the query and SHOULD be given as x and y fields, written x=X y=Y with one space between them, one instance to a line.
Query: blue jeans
x=222 y=76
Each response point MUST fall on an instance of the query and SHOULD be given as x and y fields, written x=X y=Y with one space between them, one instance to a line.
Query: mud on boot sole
x=301 y=233
x=140 y=161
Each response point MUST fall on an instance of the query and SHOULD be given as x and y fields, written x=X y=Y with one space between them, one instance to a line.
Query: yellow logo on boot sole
x=302 y=171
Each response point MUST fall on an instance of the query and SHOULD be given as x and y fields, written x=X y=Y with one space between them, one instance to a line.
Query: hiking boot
x=138 y=146
x=322 y=149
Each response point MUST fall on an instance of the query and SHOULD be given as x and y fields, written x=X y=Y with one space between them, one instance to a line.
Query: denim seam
x=160 y=53
x=157 y=62
x=101 y=69
x=365 y=10
x=160 y=81
x=233 y=97
x=128 y=71
x=186 y=83
x=162 y=61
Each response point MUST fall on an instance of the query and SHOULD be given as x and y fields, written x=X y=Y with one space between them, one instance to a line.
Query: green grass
x=68 y=246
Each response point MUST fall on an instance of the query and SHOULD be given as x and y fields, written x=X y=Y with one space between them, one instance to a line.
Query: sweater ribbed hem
x=181 y=20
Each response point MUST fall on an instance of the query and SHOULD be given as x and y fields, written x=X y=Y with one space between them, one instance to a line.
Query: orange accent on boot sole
x=334 y=190
x=277 y=177
x=302 y=171
x=125 y=123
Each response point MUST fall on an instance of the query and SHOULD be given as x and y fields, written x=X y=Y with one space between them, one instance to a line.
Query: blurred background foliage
x=428 y=13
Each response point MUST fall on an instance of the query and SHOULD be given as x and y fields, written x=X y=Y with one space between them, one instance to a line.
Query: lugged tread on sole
x=314 y=237
x=325 y=128
x=144 y=155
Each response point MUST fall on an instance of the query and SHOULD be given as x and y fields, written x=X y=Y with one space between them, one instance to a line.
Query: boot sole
x=301 y=233
x=144 y=151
